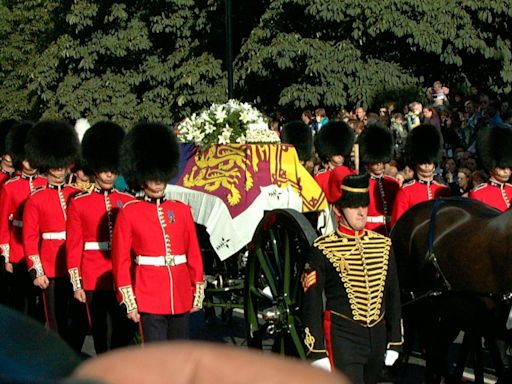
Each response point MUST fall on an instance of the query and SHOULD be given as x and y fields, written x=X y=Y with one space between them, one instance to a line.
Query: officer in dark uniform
x=90 y=224
x=423 y=150
x=360 y=326
x=156 y=259
x=375 y=149
x=494 y=147
x=333 y=145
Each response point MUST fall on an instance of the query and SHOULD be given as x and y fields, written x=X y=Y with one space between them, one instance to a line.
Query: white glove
x=323 y=363
x=390 y=357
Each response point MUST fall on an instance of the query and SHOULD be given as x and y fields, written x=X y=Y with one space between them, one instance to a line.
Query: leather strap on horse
x=431 y=255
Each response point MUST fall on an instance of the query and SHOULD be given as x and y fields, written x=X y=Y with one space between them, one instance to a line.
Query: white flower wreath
x=230 y=123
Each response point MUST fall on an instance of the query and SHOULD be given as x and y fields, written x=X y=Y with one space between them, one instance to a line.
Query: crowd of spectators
x=458 y=117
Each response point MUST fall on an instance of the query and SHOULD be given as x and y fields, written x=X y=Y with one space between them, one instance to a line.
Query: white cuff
x=323 y=363
x=390 y=357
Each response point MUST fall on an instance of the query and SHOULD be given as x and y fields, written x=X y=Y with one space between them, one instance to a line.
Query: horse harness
x=432 y=259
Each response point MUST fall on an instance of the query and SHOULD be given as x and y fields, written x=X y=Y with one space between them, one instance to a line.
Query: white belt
x=54 y=235
x=376 y=219
x=96 y=246
x=17 y=223
x=161 y=261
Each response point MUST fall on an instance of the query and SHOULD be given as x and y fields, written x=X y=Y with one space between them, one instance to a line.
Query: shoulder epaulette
x=374 y=234
x=324 y=237
x=15 y=178
x=82 y=194
x=439 y=183
x=131 y=202
x=479 y=186
x=408 y=183
x=38 y=189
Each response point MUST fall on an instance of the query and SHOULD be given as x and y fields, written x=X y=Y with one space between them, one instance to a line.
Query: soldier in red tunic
x=53 y=147
x=333 y=144
x=157 y=263
x=6 y=166
x=90 y=224
x=375 y=149
x=13 y=195
x=6 y=171
x=494 y=146
x=423 y=151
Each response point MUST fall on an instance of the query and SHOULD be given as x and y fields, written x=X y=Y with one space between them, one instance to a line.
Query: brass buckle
x=169 y=260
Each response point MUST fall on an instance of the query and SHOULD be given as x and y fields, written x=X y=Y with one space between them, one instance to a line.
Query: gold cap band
x=356 y=190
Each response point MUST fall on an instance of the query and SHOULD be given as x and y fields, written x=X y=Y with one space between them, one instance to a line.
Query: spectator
x=414 y=115
x=308 y=118
x=463 y=183
x=431 y=117
x=321 y=118
x=438 y=94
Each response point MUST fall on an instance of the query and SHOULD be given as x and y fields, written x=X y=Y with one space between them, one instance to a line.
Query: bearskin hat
x=15 y=142
x=299 y=134
x=424 y=145
x=375 y=144
x=100 y=147
x=52 y=144
x=354 y=191
x=335 y=138
x=150 y=152
x=494 y=147
x=5 y=126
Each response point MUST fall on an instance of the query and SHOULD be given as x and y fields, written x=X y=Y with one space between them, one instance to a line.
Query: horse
x=454 y=260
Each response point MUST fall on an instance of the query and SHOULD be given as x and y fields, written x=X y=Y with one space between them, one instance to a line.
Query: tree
x=352 y=52
x=26 y=29
x=129 y=61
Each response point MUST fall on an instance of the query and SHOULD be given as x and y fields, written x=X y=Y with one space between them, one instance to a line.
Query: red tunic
x=44 y=229
x=4 y=176
x=414 y=192
x=154 y=229
x=497 y=195
x=336 y=177
x=383 y=191
x=322 y=178
x=91 y=217
x=13 y=195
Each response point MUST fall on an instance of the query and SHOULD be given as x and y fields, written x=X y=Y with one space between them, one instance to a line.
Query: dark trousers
x=110 y=326
x=357 y=351
x=63 y=315
x=164 y=327
x=4 y=296
x=22 y=294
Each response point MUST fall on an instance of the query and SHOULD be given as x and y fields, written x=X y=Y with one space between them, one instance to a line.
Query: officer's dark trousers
x=164 y=327
x=110 y=326
x=357 y=351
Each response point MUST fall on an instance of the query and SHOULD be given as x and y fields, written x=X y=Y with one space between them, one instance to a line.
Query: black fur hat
x=335 y=138
x=100 y=147
x=299 y=134
x=5 y=126
x=354 y=192
x=424 y=145
x=375 y=144
x=15 y=142
x=494 y=147
x=150 y=152
x=52 y=144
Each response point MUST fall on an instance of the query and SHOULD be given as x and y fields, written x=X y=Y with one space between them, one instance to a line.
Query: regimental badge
x=308 y=277
x=119 y=204
x=170 y=216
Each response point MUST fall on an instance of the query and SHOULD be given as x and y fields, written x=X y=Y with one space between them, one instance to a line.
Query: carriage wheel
x=273 y=291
